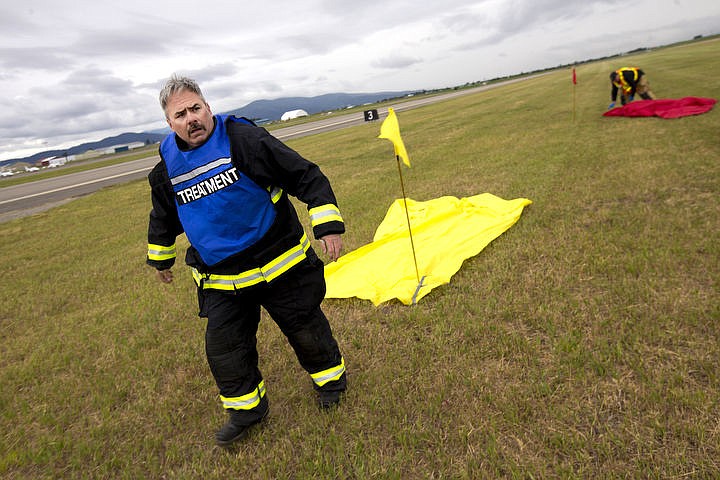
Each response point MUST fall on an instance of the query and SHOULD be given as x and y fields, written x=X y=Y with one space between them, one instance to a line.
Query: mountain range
x=259 y=111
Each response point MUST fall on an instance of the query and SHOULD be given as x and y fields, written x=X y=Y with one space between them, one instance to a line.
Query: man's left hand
x=331 y=246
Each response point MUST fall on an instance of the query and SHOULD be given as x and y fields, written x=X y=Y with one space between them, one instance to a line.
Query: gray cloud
x=15 y=23
x=34 y=58
x=395 y=61
x=142 y=40
x=211 y=72
x=80 y=68
x=95 y=81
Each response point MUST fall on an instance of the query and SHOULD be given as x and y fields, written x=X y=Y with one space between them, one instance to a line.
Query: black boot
x=236 y=428
x=329 y=396
x=328 y=400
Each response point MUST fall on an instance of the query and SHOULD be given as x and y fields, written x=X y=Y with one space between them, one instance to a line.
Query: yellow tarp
x=445 y=232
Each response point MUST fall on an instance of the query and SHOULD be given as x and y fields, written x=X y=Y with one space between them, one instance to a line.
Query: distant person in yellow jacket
x=628 y=81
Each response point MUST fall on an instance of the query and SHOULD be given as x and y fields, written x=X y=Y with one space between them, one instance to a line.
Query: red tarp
x=665 y=108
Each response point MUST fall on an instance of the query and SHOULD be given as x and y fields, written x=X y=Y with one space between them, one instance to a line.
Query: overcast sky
x=83 y=70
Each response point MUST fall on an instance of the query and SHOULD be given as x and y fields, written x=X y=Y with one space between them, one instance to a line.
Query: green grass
x=582 y=343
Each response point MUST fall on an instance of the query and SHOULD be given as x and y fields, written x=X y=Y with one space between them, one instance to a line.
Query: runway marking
x=316 y=128
x=89 y=182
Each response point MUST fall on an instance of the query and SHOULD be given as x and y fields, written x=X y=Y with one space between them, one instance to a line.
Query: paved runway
x=32 y=197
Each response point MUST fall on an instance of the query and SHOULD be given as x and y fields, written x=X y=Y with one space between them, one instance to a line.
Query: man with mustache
x=225 y=182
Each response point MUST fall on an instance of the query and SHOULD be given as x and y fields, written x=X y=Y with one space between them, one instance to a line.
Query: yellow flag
x=390 y=129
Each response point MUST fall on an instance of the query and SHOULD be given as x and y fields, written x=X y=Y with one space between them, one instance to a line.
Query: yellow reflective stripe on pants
x=324 y=214
x=161 y=252
x=266 y=273
x=334 y=373
x=245 y=402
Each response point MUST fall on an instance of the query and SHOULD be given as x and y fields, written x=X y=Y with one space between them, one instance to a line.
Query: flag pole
x=412 y=243
x=391 y=131
x=407 y=216
x=573 y=102
x=574 y=81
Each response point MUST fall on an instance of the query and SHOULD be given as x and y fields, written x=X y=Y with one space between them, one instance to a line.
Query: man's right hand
x=165 y=276
x=331 y=246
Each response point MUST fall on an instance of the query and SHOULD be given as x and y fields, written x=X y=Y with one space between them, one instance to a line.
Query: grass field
x=582 y=343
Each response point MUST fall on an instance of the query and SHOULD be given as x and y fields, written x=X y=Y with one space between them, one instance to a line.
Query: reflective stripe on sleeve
x=245 y=402
x=275 y=193
x=324 y=214
x=161 y=252
x=334 y=373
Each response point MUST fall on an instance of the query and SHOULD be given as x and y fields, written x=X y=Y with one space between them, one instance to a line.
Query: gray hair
x=175 y=84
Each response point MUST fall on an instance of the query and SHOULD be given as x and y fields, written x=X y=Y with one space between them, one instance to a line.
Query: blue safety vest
x=221 y=209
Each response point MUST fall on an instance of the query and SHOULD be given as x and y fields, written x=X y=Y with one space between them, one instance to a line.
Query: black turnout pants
x=293 y=301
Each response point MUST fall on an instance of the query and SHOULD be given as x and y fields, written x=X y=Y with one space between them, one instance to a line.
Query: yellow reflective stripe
x=245 y=402
x=266 y=273
x=623 y=83
x=275 y=193
x=161 y=252
x=287 y=260
x=324 y=214
x=228 y=282
x=334 y=373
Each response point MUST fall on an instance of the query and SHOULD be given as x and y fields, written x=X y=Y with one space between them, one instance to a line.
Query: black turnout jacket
x=270 y=164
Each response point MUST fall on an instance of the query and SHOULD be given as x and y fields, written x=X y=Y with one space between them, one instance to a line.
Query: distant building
x=123 y=147
x=89 y=154
x=52 y=162
x=293 y=114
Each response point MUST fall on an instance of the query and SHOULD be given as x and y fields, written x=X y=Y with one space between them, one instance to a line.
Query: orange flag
x=390 y=129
